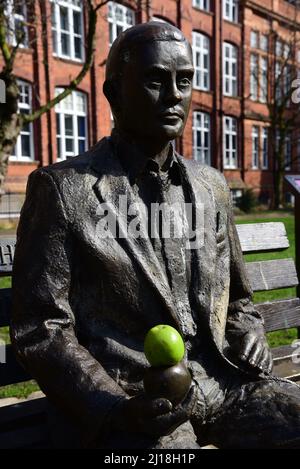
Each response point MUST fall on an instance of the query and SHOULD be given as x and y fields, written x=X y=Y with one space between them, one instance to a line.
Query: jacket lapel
x=110 y=185
x=204 y=257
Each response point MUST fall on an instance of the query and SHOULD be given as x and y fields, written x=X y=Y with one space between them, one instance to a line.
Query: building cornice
x=270 y=13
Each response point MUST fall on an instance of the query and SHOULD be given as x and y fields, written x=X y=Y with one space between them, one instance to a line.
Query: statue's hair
x=123 y=47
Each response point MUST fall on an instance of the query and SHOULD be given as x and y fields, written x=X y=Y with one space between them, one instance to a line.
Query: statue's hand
x=155 y=417
x=254 y=351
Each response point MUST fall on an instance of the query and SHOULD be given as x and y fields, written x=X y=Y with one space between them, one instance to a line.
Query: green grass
x=278 y=337
x=20 y=390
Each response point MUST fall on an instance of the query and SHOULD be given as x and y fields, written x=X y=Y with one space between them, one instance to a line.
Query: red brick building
x=229 y=118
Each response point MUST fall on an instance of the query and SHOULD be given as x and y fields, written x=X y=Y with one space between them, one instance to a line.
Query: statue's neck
x=140 y=151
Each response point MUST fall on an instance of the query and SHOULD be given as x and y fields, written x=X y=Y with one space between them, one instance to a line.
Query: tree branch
x=4 y=46
x=85 y=68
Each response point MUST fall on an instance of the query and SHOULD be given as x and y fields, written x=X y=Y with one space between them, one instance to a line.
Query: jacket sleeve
x=43 y=324
x=242 y=315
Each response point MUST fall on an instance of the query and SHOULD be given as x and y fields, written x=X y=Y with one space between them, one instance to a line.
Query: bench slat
x=7 y=250
x=5 y=306
x=22 y=410
x=269 y=236
x=270 y=275
x=280 y=314
x=28 y=437
x=284 y=364
x=11 y=372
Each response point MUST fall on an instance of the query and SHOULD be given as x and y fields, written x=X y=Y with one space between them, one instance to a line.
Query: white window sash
x=203 y=130
x=201 y=49
x=253 y=77
x=62 y=111
x=18 y=147
x=71 y=8
x=255 y=147
x=11 y=17
x=230 y=10
x=230 y=130
x=114 y=22
x=202 y=4
x=265 y=147
x=230 y=61
x=263 y=89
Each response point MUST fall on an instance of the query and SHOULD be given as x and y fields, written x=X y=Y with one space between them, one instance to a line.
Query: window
x=254 y=39
x=278 y=47
x=71 y=125
x=265 y=147
x=286 y=51
x=230 y=143
x=255 y=147
x=201 y=61
x=254 y=77
x=202 y=4
x=278 y=81
x=236 y=194
x=263 y=91
x=201 y=137
x=119 y=18
x=23 y=150
x=16 y=14
x=230 y=69
x=288 y=153
x=287 y=78
x=231 y=10
x=67 y=29
x=264 y=42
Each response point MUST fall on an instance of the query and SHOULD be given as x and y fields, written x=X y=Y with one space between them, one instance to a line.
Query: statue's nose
x=173 y=95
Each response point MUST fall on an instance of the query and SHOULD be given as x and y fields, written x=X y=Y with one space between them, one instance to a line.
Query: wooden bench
x=23 y=425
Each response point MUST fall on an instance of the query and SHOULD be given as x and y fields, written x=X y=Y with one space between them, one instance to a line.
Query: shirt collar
x=136 y=164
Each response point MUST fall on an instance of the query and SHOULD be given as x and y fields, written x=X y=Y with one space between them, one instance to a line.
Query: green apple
x=163 y=346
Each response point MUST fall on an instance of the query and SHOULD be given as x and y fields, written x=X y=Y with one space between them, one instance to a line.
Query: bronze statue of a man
x=100 y=273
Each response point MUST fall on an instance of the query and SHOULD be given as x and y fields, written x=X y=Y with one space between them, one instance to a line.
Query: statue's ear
x=111 y=93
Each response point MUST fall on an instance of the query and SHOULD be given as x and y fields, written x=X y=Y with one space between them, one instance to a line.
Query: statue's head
x=148 y=82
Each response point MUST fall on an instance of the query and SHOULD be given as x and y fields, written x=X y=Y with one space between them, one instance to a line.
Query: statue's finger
x=246 y=346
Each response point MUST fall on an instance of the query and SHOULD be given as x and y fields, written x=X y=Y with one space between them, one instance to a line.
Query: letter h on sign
x=6 y=255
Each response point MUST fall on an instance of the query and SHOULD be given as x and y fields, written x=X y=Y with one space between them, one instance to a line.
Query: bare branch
x=4 y=46
x=85 y=68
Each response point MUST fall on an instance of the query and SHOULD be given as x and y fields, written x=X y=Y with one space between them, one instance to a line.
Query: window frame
x=74 y=113
x=265 y=138
x=112 y=22
x=254 y=82
x=12 y=17
x=230 y=78
x=233 y=9
x=288 y=156
x=57 y=31
x=233 y=160
x=203 y=130
x=255 y=146
x=200 y=70
x=263 y=79
x=26 y=107
x=200 y=5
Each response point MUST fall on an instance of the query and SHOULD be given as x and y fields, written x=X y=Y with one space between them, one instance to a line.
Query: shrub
x=248 y=201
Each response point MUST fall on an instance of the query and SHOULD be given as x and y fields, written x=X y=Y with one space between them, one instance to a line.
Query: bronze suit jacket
x=82 y=304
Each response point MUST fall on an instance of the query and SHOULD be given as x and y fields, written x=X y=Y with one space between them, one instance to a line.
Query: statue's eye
x=154 y=82
x=184 y=82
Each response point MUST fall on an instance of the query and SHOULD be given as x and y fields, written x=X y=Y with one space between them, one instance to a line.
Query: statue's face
x=156 y=90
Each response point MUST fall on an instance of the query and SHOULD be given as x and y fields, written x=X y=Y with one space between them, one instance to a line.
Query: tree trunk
x=278 y=178
x=9 y=133
x=10 y=124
